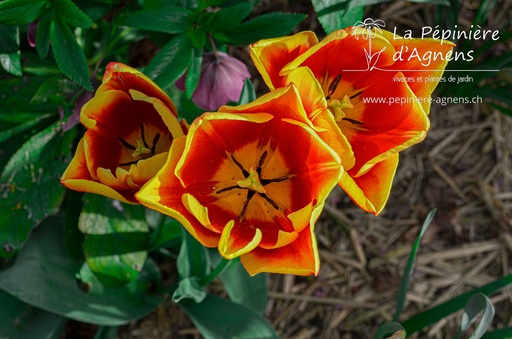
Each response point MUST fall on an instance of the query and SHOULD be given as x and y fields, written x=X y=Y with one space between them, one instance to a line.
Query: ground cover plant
x=255 y=169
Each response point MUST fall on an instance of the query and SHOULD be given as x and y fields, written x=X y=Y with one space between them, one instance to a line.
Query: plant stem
x=222 y=265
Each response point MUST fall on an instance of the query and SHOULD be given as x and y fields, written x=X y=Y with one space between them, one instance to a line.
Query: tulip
x=222 y=80
x=131 y=124
x=31 y=33
x=350 y=70
x=251 y=180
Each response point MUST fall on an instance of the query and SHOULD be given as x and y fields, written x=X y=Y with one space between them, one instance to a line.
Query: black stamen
x=268 y=181
x=142 y=135
x=357 y=94
x=260 y=162
x=270 y=201
x=155 y=141
x=250 y=194
x=225 y=189
x=332 y=87
x=355 y=122
x=126 y=144
x=244 y=172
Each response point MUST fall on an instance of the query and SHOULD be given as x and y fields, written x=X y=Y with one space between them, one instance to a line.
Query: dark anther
x=260 y=162
x=225 y=189
x=355 y=122
x=126 y=144
x=244 y=172
x=250 y=194
x=268 y=181
x=270 y=201
x=155 y=141
x=357 y=94
x=332 y=87
x=142 y=135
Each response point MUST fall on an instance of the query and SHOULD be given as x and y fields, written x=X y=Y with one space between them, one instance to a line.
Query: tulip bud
x=31 y=33
x=222 y=80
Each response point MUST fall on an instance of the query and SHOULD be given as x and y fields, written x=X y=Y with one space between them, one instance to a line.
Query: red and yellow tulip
x=131 y=124
x=252 y=181
x=350 y=71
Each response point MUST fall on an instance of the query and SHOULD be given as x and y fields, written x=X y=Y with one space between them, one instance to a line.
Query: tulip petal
x=271 y=55
x=164 y=194
x=125 y=78
x=78 y=178
x=238 y=240
x=370 y=191
x=412 y=59
x=299 y=257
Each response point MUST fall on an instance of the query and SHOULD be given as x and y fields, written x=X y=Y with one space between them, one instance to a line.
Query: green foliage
x=20 y=320
x=218 y=318
x=116 y=239
x=19 y=12
x=46 y=277
x=334 y=15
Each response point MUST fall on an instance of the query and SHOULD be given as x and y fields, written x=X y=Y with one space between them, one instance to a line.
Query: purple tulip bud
x=222 y=80
x=31 y=33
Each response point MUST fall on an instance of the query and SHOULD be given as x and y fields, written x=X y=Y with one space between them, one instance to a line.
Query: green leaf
x=189 y=288
x=501 y=94
x=210 y=318
x=341 y=19
x=44 y=276
x=501 y=333
x=483 y=11
x=409 y=267
x=69 y=55
x=20 y=12
x=43 y=34
x=248 y=93
x=20 y=320
x=107 y=332
x=31 y=187
x=478 y=303
x=388 y=329
x=226 y=19
x=198 y=38
x=69 y=13
x=11 y=63
x=244 y=289
x=116 y=239
x=193 y=72
x=56 y=89
x=433 y=315
x=167 y=234
x=170 y=62
x=10 y=42
x=269 y=25
x=193 y=259
x=31 y=121
x=167 y=19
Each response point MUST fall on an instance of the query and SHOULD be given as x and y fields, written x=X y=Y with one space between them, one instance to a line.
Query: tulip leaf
x=216 y=317
x=69 y=55
x=31 y=190
x=189 y=288
x=20 y=320
x=244 y=289
x=193 y=259
x=167 y=234
x=248 y=93
x=116 y=239
x=45 y=276
x=501 y=333
x=20 y=12
x=268 y=25
x=31 y=121
x=390 y=328
x=193 y=72
x=478 y=303
x=166 y=19
x=69 y=13
x=170 y=62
